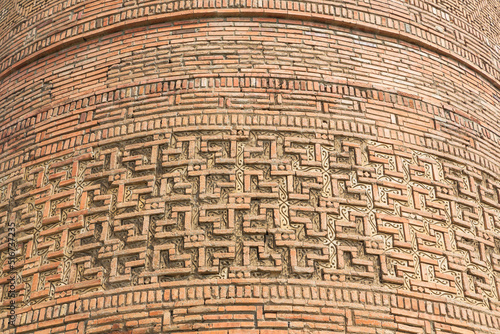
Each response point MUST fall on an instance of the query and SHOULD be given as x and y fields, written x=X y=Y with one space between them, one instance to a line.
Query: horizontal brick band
x=283 y=306
x=175 y=96
x=8 y=66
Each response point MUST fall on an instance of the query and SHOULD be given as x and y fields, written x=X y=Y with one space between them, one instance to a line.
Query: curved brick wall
x=272 y=166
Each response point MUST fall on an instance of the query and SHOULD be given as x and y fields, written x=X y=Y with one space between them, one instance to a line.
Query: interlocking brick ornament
x=261 y=167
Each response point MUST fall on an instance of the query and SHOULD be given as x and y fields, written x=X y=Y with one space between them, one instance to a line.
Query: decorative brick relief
x=259 y=203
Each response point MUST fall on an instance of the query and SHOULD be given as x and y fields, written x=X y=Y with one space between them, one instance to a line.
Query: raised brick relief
x=259 y=203
x=249 y=166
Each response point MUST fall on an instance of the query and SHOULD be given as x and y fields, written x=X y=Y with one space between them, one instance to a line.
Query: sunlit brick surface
x=250 y=166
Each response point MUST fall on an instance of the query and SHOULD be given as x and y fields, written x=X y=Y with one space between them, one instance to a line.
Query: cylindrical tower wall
x=266 y=166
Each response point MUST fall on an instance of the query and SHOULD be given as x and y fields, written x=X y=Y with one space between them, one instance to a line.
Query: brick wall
x=272 y=166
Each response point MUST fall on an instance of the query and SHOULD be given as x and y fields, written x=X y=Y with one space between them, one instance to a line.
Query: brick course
x=266 y=166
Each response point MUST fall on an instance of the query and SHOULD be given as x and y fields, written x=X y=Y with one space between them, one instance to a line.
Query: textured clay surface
x=265 y=166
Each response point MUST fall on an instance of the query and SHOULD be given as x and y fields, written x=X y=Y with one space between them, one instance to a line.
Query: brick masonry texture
x=250 y=166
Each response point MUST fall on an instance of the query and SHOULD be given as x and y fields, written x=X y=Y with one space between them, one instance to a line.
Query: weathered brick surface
x=257 y=166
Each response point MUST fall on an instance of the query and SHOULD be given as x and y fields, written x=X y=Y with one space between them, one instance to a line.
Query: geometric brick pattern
x=239 y=204
x=262 y=166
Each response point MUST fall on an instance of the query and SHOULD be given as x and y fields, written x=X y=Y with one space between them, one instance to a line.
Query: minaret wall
x=257 y=166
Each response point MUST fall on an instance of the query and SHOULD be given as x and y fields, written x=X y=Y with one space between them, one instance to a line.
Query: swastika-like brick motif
x=257 y=166
x=266 y=204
